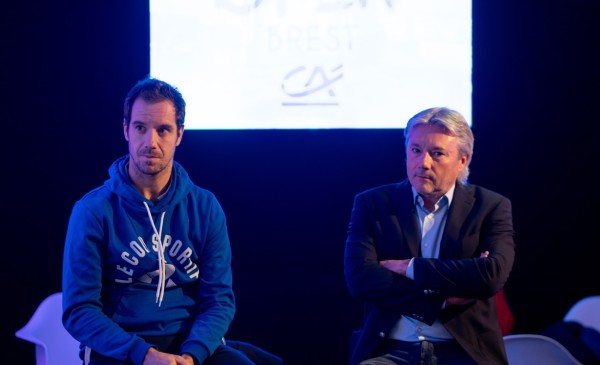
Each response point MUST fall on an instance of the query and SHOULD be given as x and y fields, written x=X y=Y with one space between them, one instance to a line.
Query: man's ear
x=179 y=136
x=125 y=131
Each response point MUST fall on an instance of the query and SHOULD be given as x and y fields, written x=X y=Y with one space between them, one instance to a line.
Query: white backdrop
x=295 y=64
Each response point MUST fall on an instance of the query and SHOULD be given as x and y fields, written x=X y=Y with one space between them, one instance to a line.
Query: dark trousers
x=394 y=352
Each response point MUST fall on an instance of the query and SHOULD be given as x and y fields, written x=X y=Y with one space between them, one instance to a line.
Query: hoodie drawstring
x=160 y=290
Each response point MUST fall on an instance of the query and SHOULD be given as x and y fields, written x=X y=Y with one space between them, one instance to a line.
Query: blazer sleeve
x=376 y=232
x=459 y=271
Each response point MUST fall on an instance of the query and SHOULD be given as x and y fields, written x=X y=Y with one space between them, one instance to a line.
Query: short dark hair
x=154 y=90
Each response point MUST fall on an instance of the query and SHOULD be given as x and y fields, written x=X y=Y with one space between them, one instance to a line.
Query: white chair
x=53 y=344
x=586 y=311
x=532 y=349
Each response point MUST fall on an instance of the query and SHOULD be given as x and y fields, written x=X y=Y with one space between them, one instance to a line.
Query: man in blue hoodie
x=147 y=275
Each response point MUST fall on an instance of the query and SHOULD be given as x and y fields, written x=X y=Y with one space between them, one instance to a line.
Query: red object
x=506 y=320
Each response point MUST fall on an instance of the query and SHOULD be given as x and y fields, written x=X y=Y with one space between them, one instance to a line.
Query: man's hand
x=155 y=357
x=188 y=358
x=397 y=266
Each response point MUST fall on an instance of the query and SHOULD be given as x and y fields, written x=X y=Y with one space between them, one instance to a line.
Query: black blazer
x=384 y=225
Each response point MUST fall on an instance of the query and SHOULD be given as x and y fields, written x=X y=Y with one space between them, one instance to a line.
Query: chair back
x=53 y=344
x=586 y=311
x=529 y=349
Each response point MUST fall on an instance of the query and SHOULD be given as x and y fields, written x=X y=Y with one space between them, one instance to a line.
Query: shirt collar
x=449 y=195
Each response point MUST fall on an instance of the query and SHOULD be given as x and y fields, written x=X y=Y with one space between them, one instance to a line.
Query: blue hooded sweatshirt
x=119 y=286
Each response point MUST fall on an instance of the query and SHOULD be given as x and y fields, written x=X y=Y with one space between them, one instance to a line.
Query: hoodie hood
x=120 y=183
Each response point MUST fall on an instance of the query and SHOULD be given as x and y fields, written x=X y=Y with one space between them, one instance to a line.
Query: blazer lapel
x=405 y=206
x=462 y=203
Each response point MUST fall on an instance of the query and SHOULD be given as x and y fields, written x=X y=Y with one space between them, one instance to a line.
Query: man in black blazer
x=427 y=255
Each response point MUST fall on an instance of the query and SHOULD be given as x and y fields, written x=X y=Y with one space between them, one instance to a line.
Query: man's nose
x=151 y=138
x=426 y=160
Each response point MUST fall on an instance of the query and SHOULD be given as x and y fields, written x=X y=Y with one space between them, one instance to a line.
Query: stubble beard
x=148 y=168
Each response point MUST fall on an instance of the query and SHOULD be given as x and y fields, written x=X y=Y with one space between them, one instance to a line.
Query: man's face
x=152 y=136
x=433 y=162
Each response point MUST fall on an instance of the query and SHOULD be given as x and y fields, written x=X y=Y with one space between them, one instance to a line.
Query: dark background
x=288 y=194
